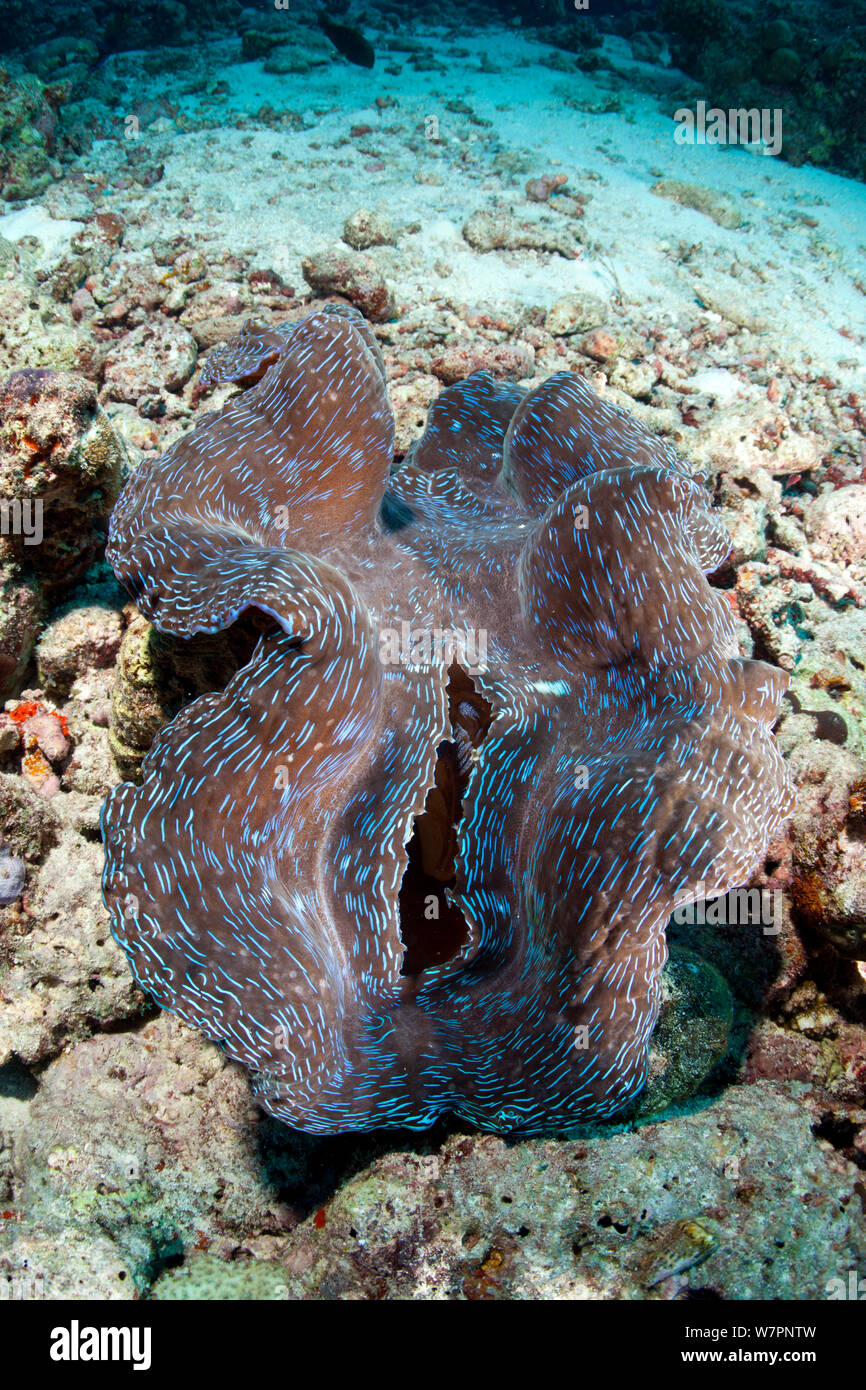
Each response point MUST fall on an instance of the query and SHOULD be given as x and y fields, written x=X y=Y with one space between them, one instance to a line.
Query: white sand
x=53 y=232
x=795 y=279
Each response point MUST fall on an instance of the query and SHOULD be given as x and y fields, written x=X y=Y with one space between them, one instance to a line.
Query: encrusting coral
x=419 y=855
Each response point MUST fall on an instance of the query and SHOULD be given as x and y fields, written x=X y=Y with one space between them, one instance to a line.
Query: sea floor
x=720 y=295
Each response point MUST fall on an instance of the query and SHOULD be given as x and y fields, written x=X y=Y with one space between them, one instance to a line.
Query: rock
x=497 y=229
x=539 y=190
x=828 y=865
x=60 y=464
x=836 y=521
x=764 y=603
x=649 y=47
x=601 y=346
x=136 y=432
x=83 y=638
x=504 y=360
x=217 y=312
x=750 y=436
x=744 y=503
x=831 y=672
x=777 y=34
x=145 y=695
x=829 y=580
x=13 y=872
x=149 y=1137
x=52 y=57
x=692 y=1034
x=48 y=732
x=575 y=313
x=27 y=122
x=20 y=612
x=637 y=379
x=34 y=334
x=258 y=42
x=355 y=277
x=783 y=66
x=308 y=49
x=723 y=210
x=150 y=23
x=37 y=771
x=70 y=1264
x=158 y=355
x=10 y=734
x=30 y=826
x=82 y=305
x=411 y=402
x=90 y=251
x=721 y=296
x=685 y=1207
x=364 y=228
x=131 y=283
x=207 y=1277
x=156 y=674
x=91 y=768
x=61 y=973
x=189 y=267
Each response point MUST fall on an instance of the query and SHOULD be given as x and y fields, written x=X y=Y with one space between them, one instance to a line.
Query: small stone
x=355 y=277
x=82 y=304
x=508 y=360
x=495 y=229
x=575 y=313
x=160 y=354
x=365 y=228
x=723 y=210
x=637 y=379
x=190 y=266
x=539 y=190
x=601 y=346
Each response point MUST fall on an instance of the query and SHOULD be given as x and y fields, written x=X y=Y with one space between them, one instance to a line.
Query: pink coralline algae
x=43 y=737
x=419 y=855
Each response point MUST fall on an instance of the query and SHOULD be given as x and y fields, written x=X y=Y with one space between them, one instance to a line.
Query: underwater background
x=666 y=199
